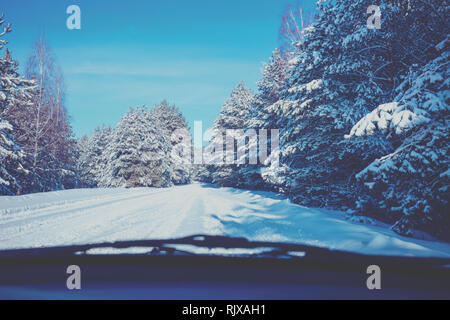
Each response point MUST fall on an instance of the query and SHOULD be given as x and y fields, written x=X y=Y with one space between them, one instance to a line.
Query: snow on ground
x=98 y=215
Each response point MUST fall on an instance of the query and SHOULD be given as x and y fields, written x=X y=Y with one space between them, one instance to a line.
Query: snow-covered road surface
x=98 y=215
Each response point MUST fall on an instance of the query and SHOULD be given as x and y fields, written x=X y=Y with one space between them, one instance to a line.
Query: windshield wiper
x=216 y=245
x=192 y=245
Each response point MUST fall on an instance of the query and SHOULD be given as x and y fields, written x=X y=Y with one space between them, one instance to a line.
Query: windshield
x=298 y=123
x=89 y=216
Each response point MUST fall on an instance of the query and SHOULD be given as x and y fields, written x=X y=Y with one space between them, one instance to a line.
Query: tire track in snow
x=30 y=211
x=60 y=209
x=153 y=219
x=72 y=223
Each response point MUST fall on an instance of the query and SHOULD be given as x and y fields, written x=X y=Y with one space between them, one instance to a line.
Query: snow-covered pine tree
x=409 y=187
x=137 y=154
x=15 y=93
x=91 y=162
x=177 y=131
x=273 y=79
x=201 y=173
x=343 y=70
x=236 y=109
x=12 y=173
x=270 y=86
x=234 y=114
x=84 y=163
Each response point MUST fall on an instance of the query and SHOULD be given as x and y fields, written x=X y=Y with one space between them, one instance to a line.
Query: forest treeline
x=363 y=115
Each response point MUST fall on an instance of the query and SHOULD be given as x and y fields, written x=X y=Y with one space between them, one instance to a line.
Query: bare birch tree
x=293 y=23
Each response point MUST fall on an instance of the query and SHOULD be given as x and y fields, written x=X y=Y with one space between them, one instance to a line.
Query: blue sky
x=135 y=52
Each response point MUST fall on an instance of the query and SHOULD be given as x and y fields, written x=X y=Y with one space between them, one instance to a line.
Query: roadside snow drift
x=102 y=215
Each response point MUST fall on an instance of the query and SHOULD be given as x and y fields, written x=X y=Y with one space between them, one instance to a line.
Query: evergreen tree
x=344 y=69
x=12 y=172
x=15 y=93
x=270 y=87
x=90 y=163
x=177 y=131
x=409 y=186
x=235 y=114
x=137 y=154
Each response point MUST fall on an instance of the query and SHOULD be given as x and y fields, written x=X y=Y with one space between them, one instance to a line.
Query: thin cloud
x=187 y=68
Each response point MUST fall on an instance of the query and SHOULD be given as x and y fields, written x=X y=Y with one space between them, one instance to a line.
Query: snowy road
x=97 y=215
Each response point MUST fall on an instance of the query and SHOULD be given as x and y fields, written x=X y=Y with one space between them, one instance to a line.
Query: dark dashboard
x=168 y=273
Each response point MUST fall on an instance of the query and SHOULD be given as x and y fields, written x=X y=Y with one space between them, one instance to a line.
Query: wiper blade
x=172 y=246
x=218 y=245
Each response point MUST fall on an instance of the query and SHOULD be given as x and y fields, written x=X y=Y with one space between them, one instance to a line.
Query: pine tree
x=11 y=157
x=15 y=93
x=270 y=87
x=91 y=163
x=409 y=186
x=177 y=131
x=235 y=114
x=344 y=69
x=137 y=154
